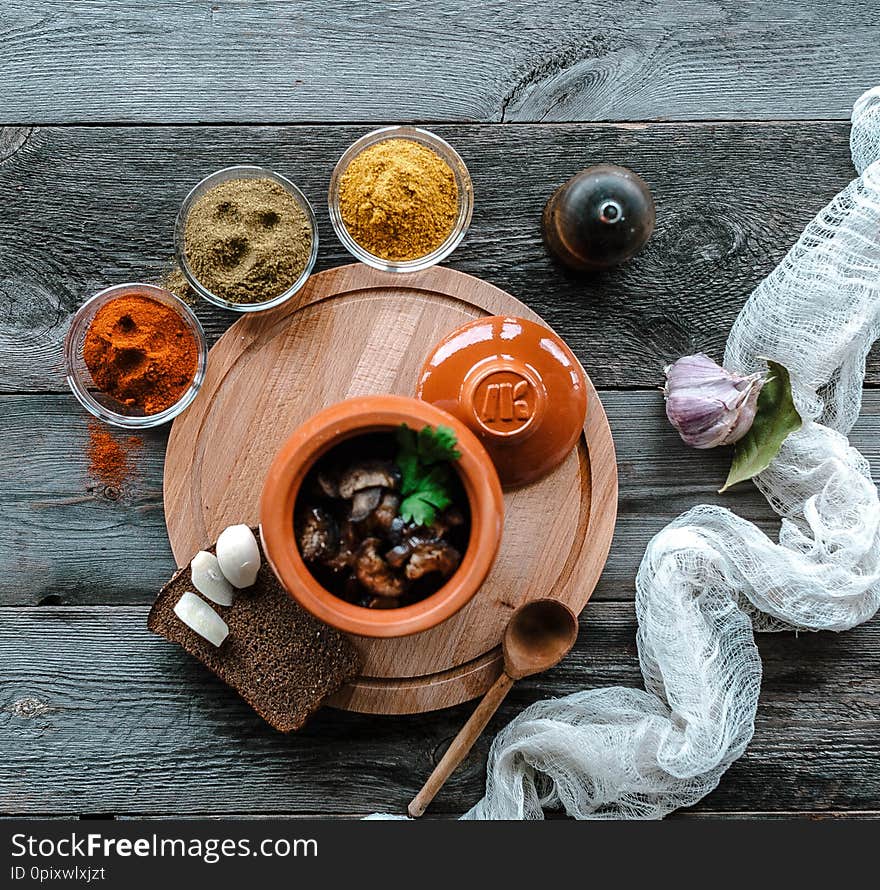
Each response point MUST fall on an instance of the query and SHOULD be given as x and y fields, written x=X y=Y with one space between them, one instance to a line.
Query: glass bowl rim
x=465 y=197
x=243 y=171
x=86 y=313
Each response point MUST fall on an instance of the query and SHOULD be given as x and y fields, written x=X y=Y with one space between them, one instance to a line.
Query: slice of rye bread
x=283 y=662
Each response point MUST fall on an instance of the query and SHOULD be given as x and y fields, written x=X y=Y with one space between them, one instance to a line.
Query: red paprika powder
x=141 y=352
x=110 y=459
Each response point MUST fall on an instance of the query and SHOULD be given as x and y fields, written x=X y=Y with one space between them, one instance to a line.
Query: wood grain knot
x=553 y=76
x=12 y=139
x=698 y=235
x=51 y=599
x=474 y=762
x=29 y=708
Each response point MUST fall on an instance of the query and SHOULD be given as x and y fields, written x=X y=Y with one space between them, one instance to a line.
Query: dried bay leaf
x=775 y=417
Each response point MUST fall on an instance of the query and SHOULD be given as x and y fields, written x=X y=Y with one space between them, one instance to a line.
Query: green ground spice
x=175 y=281
x=247 y=240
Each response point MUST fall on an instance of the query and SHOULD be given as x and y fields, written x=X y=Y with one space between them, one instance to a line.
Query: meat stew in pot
x=356 y=539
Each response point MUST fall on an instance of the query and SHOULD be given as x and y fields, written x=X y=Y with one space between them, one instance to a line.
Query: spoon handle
x=460 y=745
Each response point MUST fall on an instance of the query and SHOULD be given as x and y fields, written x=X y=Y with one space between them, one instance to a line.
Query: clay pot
x=318 y=435
x=517 y=386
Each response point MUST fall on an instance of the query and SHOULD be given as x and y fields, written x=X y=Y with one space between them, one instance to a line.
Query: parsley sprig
x=426 y=478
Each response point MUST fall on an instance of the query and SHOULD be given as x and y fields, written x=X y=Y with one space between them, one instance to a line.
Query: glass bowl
x=242 y=172
x=104 y=406
x=462 y=180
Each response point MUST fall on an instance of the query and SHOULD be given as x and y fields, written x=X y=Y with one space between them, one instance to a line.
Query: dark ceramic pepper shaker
x=599 y=219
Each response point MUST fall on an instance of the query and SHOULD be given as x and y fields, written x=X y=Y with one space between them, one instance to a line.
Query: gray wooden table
x=736 y=114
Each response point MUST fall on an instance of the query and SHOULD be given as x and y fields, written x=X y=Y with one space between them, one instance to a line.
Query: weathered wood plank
x=509 y=60
x=99 y=716
x=70 y=540
x=87 y=207
x=691 y=815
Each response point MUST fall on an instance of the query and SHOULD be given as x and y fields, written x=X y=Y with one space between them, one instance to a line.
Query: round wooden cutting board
x=353 y=331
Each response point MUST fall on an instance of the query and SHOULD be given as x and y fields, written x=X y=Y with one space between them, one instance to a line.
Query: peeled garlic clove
x=707 y=404
x=208 y=579
x=238 y=555
x=196 y=614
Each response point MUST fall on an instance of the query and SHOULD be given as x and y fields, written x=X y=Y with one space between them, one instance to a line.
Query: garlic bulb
x=238 y=555
x=708 y=405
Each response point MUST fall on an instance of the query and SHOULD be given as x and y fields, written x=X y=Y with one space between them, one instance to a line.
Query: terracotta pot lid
x=517 y=385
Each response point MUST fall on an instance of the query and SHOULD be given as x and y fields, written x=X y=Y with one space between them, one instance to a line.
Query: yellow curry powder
x=398 y=199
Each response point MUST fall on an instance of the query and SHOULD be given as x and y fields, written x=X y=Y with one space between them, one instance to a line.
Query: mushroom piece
x=385 y=512
x=375 y=574
x=397 y=556
x=432 y=556
x=349 y=542
x=396 y=531
x=344 y=559
x=449 y=519
x=369 y=474
x=443 y=523
x=318 y=536
x=364 y=502
x=328 y=485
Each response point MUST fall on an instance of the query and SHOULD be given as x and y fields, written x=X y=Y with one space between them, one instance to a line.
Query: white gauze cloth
x=709 y=578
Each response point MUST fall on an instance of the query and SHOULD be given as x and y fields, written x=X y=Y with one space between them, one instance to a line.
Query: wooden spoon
x=537 y=637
